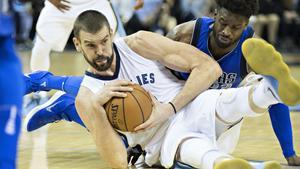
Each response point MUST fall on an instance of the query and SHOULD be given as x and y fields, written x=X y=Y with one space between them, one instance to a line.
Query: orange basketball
x=127 y=113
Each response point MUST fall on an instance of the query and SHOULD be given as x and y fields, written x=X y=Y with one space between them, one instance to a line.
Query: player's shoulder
x=182 y=32
x=185 y=28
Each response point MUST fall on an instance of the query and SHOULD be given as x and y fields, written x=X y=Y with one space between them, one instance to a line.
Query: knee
x=273 y=18
x=40 y=47
x=262 y=19
x=193 y=150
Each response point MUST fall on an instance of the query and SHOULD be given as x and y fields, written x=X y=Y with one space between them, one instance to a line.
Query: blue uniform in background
x=234 y=69
x=11 y=91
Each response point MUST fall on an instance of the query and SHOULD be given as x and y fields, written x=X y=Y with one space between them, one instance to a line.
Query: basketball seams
x=132 y=113
x=139 y=106
x=124 y=116
x=144 y=92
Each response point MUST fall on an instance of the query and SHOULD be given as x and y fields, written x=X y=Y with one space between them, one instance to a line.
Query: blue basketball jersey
x=11 y=91
x=233 y=64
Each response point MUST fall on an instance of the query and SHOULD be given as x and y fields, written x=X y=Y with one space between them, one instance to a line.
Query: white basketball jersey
x=152 y=76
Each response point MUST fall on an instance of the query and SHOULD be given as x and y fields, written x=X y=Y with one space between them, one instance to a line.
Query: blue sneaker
x=49 y=112
x=36 y=81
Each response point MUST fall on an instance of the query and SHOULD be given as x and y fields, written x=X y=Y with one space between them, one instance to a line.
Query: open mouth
x=101 y=61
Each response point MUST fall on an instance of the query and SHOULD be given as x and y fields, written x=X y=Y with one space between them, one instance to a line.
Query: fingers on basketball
x=125 y=114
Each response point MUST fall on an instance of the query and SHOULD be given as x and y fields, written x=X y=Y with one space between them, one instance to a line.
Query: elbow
x=216 y=69
x=211 y=67
x=117 y=159
x=119 y=164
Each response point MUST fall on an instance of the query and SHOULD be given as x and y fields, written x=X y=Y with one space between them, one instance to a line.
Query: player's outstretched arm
x=183 y=32
x=92 y=113
x=180 y=57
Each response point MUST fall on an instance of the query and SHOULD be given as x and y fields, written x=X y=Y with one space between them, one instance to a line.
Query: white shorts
x=54 y=27
x=195 y=120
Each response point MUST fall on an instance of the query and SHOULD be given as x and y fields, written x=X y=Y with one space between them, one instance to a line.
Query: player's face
x=97 y=48
x=228 y=27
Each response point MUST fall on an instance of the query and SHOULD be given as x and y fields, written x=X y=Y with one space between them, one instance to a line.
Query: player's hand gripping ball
x=125 y=114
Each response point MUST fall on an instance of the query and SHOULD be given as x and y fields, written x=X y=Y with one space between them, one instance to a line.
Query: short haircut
x=241 y=7
x=90 y=21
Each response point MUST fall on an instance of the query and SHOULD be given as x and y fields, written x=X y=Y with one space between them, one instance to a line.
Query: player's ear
x=76 y=44
x=112 y=33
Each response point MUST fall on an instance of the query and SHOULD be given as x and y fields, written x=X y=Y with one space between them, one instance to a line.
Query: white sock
x=257 y=165
x=262 y=96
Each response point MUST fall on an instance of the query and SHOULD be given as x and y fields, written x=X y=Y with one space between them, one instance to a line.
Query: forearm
x=108 y=142
x=197 y=82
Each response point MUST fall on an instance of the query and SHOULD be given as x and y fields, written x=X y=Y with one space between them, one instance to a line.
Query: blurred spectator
x=125 y=9
x=154 y=16
x=36 y=6
x=23 y=20
x=290 y=24
x=269 y=17
x=186 y=10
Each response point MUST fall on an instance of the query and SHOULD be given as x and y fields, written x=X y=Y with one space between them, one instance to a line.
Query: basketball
x=125 y=114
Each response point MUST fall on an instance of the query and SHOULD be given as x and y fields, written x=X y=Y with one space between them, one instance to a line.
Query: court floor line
x=39 y=158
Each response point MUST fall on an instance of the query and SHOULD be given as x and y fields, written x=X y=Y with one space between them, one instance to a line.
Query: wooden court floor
x=66 y=145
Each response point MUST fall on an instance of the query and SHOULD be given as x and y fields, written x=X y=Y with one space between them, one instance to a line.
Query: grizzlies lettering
x=146 y=78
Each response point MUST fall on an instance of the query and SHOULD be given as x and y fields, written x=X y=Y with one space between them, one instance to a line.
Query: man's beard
x=102 y=67
x=223 y=45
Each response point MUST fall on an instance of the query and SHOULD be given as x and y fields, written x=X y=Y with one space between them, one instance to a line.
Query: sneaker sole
x=38 y=108
x=272 y=165
x=234 y=164
x=265 y=60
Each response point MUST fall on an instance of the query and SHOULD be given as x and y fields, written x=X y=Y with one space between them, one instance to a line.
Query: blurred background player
x=55 y=25
x=11 y=90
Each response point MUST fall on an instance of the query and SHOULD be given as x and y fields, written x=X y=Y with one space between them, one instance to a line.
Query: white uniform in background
x=202 y=134
x=54 y=28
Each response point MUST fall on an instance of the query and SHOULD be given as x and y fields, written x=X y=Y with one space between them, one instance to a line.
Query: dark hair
x=89 y=21
x=241 y=7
